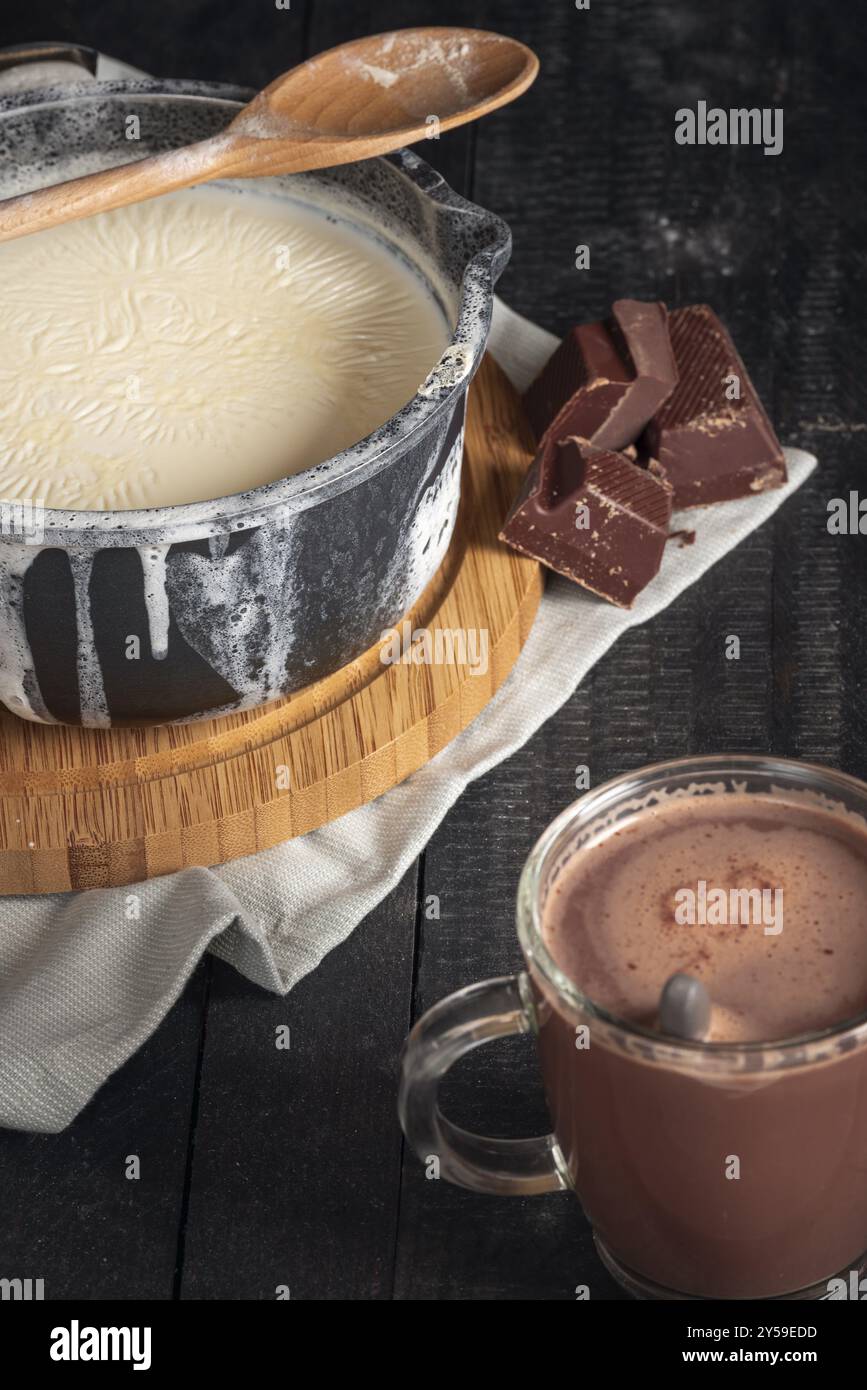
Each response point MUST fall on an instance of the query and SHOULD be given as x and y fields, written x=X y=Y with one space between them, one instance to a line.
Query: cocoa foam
x=617 y=919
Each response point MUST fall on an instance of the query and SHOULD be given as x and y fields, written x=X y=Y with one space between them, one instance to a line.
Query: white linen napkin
x=84 y=981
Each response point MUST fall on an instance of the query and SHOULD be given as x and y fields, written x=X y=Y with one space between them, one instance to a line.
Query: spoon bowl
x=394 y=83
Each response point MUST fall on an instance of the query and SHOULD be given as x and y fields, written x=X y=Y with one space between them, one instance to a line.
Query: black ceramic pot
x=240 y=600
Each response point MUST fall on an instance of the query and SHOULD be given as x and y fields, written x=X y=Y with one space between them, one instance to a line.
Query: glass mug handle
x=472 y=1016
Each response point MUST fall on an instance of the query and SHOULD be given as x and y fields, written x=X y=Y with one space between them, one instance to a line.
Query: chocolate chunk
x=592 y=515
x=606 y=380
x=712 y=436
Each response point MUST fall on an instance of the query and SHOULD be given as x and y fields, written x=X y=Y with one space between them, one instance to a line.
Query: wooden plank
x=296 y=1162
x=72 y=1217
x=820 y=295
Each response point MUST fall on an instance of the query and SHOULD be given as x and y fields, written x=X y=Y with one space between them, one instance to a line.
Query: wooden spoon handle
x=113 y=188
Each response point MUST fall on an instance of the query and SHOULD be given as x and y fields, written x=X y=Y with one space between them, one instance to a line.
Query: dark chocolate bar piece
x=606 y=380
x=592 y=515
x=712 y=436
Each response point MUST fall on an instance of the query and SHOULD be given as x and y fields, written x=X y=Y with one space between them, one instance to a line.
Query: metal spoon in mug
x=364 y=98
x=684 y=1008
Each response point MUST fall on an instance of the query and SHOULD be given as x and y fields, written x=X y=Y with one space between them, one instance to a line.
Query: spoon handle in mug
x=463 y=1021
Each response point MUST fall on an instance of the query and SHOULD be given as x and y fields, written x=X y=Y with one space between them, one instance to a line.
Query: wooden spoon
x=362 y=99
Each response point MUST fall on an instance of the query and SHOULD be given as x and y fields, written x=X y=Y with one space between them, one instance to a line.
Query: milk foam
x=199 y=345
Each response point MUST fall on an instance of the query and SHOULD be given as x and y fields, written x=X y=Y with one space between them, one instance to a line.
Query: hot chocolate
x=695 y=937
x=725 y=1179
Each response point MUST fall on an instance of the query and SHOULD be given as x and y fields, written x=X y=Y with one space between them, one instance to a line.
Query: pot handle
x=492 y=1009
x=47 y=51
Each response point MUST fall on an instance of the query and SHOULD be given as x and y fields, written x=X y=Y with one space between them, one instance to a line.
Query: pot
x=247 y=598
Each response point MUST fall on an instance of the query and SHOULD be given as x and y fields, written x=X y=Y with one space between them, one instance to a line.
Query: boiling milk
x=199 y=345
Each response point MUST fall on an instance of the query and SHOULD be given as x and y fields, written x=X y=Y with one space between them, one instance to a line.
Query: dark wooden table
x=263 y=1168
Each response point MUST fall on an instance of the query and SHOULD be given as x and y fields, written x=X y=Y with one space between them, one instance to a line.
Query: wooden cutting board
x=90 y=808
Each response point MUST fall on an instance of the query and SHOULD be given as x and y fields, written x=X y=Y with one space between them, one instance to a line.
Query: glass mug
x=642 y=1123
